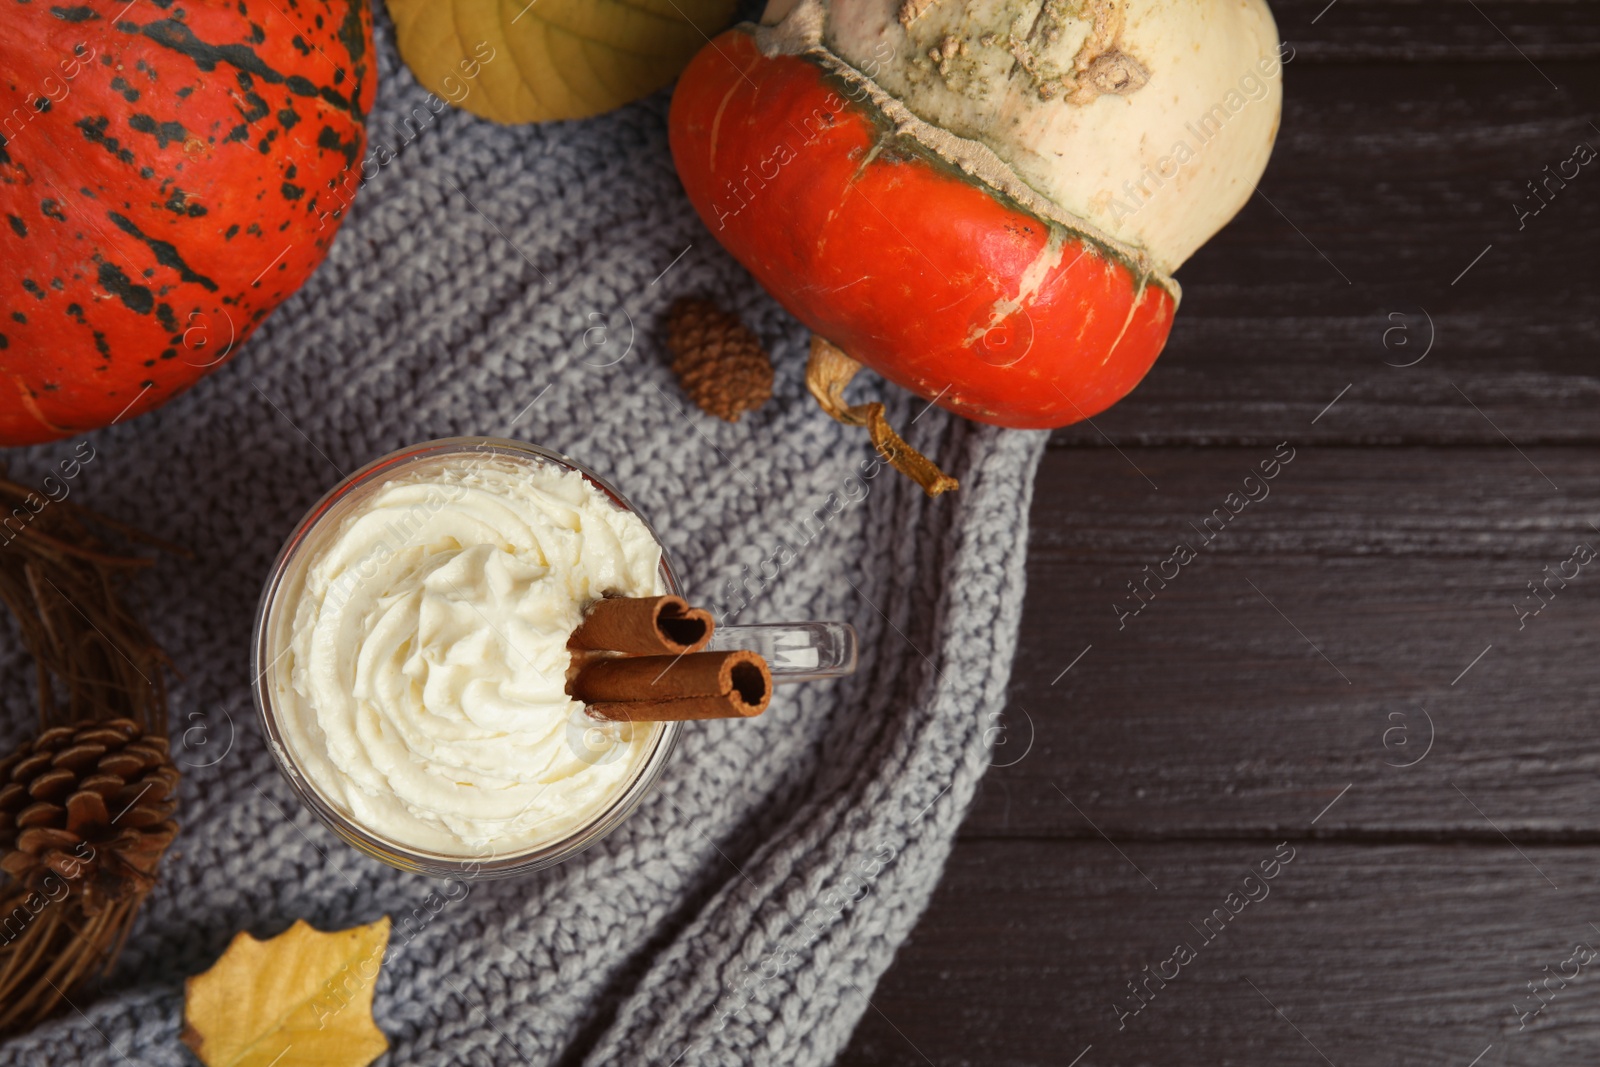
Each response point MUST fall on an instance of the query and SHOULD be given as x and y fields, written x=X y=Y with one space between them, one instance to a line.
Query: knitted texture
x=508 y=281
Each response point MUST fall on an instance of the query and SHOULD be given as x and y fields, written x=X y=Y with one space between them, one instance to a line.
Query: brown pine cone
x=91 y=803
x=718 y=359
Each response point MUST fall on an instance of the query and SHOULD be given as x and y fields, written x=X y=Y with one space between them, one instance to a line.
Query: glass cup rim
x=364 y=840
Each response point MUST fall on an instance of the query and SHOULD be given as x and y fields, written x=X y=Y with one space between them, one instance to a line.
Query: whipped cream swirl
x=423 y=690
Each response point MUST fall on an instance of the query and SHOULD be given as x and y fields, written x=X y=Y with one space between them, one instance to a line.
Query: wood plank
x=1306 y=647
x=1394 y=955
x=1359 y=31
x=1384 y=189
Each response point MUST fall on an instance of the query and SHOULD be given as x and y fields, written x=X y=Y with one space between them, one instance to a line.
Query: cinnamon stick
x=643 y=626
x=689 y=708
x=697 y=685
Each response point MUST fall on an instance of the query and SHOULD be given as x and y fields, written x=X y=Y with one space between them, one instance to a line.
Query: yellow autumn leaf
x=301 y=999
x=534 y=60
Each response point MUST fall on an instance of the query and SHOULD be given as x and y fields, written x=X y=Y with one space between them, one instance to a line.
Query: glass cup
x=795 y=652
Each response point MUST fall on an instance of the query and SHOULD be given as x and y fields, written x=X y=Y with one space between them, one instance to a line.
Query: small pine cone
x=91 y=803
x=718 y=359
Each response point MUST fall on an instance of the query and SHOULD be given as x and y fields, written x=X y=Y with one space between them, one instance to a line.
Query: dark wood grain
x=1307 y=644
x=1359 y=31
x=1285 y=684
x=1379 y=956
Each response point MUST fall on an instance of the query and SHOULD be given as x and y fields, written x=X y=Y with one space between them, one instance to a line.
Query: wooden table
x=1351 y=671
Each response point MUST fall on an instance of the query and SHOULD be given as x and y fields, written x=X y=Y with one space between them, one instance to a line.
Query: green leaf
x=522 y=61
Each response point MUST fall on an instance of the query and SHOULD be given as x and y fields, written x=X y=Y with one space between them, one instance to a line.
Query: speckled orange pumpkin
x=169 y=173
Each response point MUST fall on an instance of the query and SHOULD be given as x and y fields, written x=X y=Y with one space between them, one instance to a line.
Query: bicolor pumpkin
x=982 y=200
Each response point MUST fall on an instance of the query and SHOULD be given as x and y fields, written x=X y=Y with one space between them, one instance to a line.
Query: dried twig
x=94 y=660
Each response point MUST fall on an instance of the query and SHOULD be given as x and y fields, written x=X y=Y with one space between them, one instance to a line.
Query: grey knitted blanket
x=511 y=281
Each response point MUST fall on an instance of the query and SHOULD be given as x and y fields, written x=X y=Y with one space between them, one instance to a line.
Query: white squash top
x=1145 y=123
